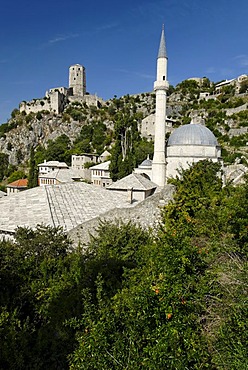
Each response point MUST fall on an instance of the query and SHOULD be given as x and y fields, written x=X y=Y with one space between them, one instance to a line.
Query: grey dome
x=192 y=134
x=146 y=163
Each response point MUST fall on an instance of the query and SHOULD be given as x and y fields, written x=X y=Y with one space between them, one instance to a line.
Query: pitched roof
x=63 y=175
x=66 y=205
x=135 y=181
x=53 y=164
x=101 y=166
x=105 y=154
x=21 y=183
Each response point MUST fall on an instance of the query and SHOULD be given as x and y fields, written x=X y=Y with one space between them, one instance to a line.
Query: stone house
x=49 y=166
x=60 y=176
x=136 y=186
x=78 y=161
x=100 y=174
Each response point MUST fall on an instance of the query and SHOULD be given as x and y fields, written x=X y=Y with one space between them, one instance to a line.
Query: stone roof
x=192 y=134
x=225 y=82
x=66 y=205
x=235 y=173
x=105 y=154
x=53 y=164
x=135 y=181
x=101 y=166
x=63 y=175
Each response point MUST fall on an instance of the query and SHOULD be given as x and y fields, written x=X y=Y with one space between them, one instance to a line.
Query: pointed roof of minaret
x=162 y=49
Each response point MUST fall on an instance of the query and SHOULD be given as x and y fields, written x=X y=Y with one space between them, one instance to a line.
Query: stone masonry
x=146 y=214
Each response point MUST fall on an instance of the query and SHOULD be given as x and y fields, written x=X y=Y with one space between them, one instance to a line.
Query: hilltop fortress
x=57 y=98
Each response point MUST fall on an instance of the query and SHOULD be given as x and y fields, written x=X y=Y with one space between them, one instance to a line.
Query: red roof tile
x=21 y=183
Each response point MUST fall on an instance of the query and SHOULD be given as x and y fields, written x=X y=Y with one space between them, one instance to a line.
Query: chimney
x=130 y=195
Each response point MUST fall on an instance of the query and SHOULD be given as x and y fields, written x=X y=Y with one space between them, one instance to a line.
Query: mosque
x=187 y=144
x=72 y=205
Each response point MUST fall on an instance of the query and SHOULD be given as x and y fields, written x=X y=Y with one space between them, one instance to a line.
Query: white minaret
x=161 y=85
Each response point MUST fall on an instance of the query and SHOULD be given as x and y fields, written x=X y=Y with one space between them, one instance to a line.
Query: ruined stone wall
x=53 y=102
x=231 y=111
x=93 y=100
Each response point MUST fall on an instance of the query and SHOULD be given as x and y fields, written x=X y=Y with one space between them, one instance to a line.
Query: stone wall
x=53 y=102
x=231 y=111
x=93 y=100
x=146 y=214
x=237 y=131
x=147 y=126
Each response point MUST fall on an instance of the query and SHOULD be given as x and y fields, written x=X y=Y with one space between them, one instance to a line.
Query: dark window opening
x=163 y=78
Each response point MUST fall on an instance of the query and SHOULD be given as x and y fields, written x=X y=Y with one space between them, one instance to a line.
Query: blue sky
x=117 y=42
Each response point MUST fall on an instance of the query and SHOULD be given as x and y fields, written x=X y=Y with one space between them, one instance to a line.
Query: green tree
x=34 y=288
x=59 y=149
x=33 y=173
x=16 y=175
x=4 y=162
x=123 y=158
x=179 y=304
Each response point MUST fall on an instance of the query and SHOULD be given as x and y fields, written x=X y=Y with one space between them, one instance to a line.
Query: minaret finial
x=162 y=49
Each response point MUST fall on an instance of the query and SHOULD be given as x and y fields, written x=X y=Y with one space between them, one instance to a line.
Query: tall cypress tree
x=32 y=175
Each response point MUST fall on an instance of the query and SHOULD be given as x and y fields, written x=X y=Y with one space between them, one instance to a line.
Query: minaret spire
x=162 y=48
x=161 y=85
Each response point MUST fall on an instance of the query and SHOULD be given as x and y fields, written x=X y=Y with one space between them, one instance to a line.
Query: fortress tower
x=161 y=85
x=77 y=80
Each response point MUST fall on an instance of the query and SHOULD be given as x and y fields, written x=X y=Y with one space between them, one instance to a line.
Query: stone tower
x=161 y=85
x=77 y=80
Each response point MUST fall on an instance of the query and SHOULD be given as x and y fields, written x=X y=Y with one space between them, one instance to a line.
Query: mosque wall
x=201 y=151
x=177 y=163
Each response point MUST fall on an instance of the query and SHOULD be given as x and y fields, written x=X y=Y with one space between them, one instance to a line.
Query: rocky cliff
x=226 y=116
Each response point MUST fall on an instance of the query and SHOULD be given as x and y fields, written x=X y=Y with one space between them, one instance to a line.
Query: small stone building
x=49 y=166
x=60 y=176
x=136 y=186
x=100 y=174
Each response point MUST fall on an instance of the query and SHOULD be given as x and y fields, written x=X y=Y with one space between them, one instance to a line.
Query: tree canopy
x=174 y=297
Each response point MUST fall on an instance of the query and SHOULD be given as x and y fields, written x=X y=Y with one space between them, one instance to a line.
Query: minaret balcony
x=161 y=85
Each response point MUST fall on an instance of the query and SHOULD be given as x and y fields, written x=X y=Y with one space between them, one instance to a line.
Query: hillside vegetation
x=134 y=300
x=115 y=126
